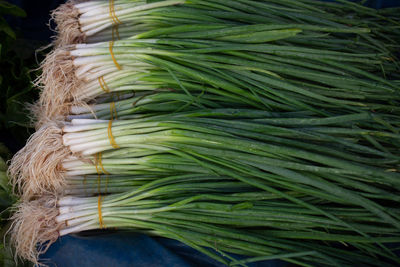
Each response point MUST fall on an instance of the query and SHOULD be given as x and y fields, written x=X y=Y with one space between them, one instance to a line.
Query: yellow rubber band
x=101 y=222
x=115 y=32
x=113 y=111
x=111 y=10
x=103 y=84
x=110 y=46
x=113 y=15
x=99 y=163
x=98 y=184
x=110 y=135
x=96 y=163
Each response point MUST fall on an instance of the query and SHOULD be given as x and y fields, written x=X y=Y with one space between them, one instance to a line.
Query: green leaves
x=15 y=89
x=17 y=59
x=9 y=9
x=6 y=29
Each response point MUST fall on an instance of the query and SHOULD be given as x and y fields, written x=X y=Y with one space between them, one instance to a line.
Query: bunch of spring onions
x=267 y=129
x=260 y=54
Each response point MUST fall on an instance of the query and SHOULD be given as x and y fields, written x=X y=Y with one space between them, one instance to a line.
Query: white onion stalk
x=69 y=79
x=38 y=223
x=195 y=212
x=90 y=185
x=150 y=144
x=81 y=22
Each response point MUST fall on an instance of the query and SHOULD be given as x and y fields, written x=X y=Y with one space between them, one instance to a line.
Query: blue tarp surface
x=129 y=249
x=119 y=248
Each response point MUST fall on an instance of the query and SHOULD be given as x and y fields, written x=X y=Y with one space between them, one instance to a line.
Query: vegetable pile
x=267 y=129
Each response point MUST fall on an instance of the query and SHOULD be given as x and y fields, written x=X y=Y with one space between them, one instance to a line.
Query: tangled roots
x=68 y=28
x=37 y=168
x=34 y=228
x=38 y=116
x=58 y=85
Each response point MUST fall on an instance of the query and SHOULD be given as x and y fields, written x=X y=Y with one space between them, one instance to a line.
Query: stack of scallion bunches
x=267 y=129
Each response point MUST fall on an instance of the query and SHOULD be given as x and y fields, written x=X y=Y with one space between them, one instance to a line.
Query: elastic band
x=98 y=184
x=99 y=163
x=113 y=15
x=111 y=10
x=110 y=47
x=110 y=135
x=96 y=163
x=103 y=84
x=115 y=32
x=113 y=111
x=99 y=202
